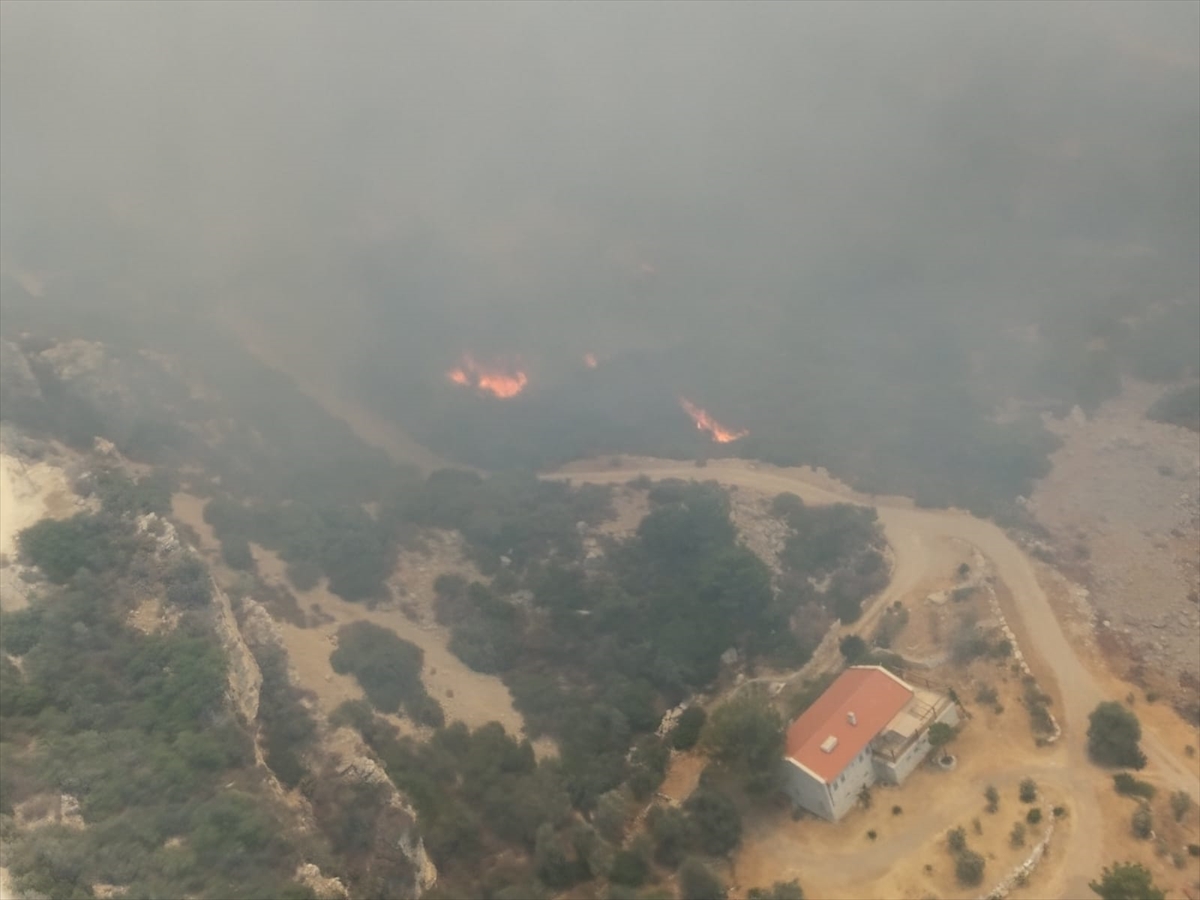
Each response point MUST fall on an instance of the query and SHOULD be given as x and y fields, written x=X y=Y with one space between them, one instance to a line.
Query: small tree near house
x=745 y=734
x=716 y=825
x=853 y=648
x=940 y=734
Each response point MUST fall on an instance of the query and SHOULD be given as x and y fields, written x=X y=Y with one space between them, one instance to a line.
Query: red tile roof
x=871 y=693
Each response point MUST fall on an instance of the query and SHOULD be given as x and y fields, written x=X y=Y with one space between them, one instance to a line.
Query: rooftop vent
x=829 y=743
x=851 y=718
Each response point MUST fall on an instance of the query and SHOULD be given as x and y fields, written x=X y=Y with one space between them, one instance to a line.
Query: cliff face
x=245 y=678
x=396 y=824
x=338 y=759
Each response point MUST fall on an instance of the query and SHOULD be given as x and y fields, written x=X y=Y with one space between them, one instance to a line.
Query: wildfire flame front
x=705 y=422
x=490 y=380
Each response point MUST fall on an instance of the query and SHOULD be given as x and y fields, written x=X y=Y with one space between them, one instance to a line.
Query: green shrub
x=1017 y=837
x=956 y=839
x=687 y=730
x=20 y=630
x=188 y=583
x=697 y=882
x=1181 y=804
x=62 y=548
x=940 y=734
x=1113 y=736
x=1034 y=816
x=120 y=495
x=387 y=667
x=1128 y=786
x=853 y=648
x=1036 y=701
x=714 y=822
x=237 y=555
x=671 y=831
x=1142 y=822
x=1127 y=881
x=304 y=574
x=780 y=890
x=1028 y=790
x=629 y=868
x=993 y=798
x=968 y=868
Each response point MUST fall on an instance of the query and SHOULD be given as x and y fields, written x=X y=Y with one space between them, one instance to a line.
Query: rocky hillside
x=1123 y=506
x=77 y=414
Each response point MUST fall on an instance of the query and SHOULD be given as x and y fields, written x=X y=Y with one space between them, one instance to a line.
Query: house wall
x=844 y=789
x=806 y=791
x=897 y=772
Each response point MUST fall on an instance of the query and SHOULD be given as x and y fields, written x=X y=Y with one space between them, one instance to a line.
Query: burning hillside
x=705 y=422
x=501 y=382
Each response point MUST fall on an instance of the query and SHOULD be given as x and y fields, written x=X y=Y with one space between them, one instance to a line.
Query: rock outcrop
x=245 y=678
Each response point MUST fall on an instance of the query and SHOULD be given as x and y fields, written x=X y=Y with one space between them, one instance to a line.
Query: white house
x=868 y=726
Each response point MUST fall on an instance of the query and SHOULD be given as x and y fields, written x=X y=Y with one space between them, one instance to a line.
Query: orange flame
x=490 y=380
x=705 y=422
x=589 y=360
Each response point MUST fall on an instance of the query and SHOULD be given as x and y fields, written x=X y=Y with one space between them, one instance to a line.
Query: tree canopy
x=1113 y=736
x=716 y=824
x=697 y=881
x=746 y=735
x=388 y=668
x=1127 y=881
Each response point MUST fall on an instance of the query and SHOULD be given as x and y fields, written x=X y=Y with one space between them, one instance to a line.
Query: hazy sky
x=579 y=157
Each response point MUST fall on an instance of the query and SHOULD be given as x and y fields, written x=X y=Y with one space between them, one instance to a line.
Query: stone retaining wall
x=1022 y=871
x=994 y=605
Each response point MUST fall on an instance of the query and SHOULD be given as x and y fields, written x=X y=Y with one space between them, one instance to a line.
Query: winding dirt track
x=910 y=532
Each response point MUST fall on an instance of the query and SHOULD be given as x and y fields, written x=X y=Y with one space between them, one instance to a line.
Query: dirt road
x=910 y=531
